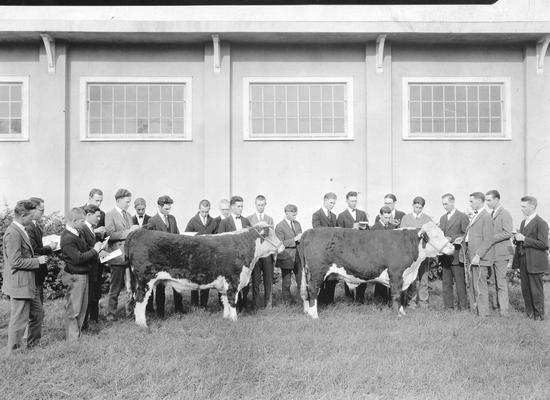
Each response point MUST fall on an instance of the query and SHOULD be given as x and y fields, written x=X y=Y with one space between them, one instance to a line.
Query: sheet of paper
x=49 y=239
x=110 y=256
x=188 y=233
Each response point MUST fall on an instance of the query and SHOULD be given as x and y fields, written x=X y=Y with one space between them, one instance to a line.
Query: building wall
x=431 y=168
x=36 y=167
x=148 y=169
x=298 y=172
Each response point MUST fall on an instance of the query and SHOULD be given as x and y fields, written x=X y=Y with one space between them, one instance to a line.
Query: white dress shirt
x=238 y=222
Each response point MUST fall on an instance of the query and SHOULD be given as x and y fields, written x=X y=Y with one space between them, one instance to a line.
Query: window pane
x=95 y=93
x=292 y=109
x=95 y=110
x=4 y=109
x=143 y=93
x=292 y=93
x=106 y=93
x=484 y=125
x=472 y=125
x=178 y=126
x=303 y=125
x=106 y=110
x=4 y=126
x=426 y=109
x=495 y=109
x=269 y=94
x=414 y=93
x=131 y=125
x=119 y=110
x=316 y=125
x=166 y=125
x=269 y=110
x=438 y=125
x=461 y=93
x=472 y=109
x=255 y=93
x=166 y=109
x=95 y=126
x=484 y=93
x=154 y=125
x=280 y=125
x=461 y=110
x=303 y=109
x=339 y=125
x=315 y=93
x=106 y=126
x=131 y=93
x=166 y=93
x=131 y=109
x=461 y=125
x=280 y=109
x=303 y=93
x=257 y=126
x=339 y=92
x=339 y=109
x=327 y=109
x=449 y=93
x=316 y=109
x=15 y=92
x=280 y=93
x=269 y=125
x=15 y=126
x=484 y=109
x=119 y=93
x=119 y=126
x=438 y=109
x=495 y=93
x=154 y=110
x=154 y=93
x=438 y=93
x=426 y=93
x=179 y=109
x=450 y=109
x=496 y=125
x=449 y=126
x=415 y=125
x=327 y=93
x=472 y=93
x=427 y=125
x=327 y=125
x=292 y=125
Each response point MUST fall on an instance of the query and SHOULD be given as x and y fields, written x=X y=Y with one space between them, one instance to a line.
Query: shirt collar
x=72 y=230
x=19 y=226
x=451 y=213
x=90 y=227
x=352 y=211
x=120 y=211
x=418 y=215
x=325 y=210
x=530 y=218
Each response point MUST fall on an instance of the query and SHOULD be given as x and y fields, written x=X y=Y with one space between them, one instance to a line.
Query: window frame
x=24 y=135
x=137 y=137
x=506 y=110
x=312 y=80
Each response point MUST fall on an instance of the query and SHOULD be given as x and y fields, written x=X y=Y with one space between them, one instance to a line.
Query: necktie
x=166 y=221
x=492 y=213
x=292 y=226
x=126 y=217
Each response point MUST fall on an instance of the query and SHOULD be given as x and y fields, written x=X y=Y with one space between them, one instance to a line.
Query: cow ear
x=425 y=239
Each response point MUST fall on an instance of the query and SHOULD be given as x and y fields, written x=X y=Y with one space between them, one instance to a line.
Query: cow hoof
x=306 y=306
x=401 y=311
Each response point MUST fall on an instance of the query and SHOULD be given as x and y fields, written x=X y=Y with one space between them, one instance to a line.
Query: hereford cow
x=367 y=256
x=223 y=262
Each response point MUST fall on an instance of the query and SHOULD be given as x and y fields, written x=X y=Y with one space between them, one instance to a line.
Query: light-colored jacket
x=480 y=238
x=502 y=249
x=287 y=258
x=117 y=228
x=253 y=219
x=20 y=265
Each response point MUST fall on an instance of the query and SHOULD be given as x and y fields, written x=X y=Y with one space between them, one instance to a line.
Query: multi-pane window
x=298 y=109
x=13 y=108
x=137 y=110
x=463 y=109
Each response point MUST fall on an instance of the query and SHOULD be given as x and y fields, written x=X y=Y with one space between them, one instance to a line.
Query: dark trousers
x=160 y=300
x=94 y=295
x=200 y=297
x=264 y=267
x=117 y=283
x=532 y=290
x=453 y=275
x=287 y=279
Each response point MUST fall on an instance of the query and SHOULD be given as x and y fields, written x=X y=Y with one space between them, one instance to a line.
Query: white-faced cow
x=223 y=262
x=367 y=256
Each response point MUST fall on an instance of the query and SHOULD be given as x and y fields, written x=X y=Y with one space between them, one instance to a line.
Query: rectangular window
x=456 y=108
x=298 y=108
x=136 y=108
x=14 y=108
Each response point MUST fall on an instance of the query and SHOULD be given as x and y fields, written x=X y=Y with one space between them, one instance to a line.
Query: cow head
x=267 y=243
x=434 y=241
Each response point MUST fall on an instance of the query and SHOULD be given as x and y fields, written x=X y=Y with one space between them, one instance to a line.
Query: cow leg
x=396 y=286
x=139 y=309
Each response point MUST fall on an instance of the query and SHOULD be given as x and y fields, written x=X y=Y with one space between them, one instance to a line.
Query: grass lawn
x=351 y=352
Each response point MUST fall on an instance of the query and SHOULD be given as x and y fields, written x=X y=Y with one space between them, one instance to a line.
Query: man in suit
x=165 y=222
x=415 y=220
x=389 y=201
x=324 y=217
x=203 y=224
x=225 y=211
x=20 y=266
x=289 y=231
x=140 y=218
x=95 y=198
x=502 y=251
x=264 y=266
x=235 y=222
x=453 y=224
x=353 y=218
x=35 y=235
x=479 y=239
x=531 y=257
x=118 y=224
x=86 y=229
x=79 y=259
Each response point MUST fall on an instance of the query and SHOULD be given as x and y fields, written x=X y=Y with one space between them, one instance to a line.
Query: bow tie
x=237 y=217
x=140 y=216
x=475 y=212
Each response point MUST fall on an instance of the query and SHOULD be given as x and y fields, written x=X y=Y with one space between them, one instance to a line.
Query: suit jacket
x=345 y=219
x=35 y=235
x=90 y=240
x=502 y=225
x=195 y=225
x=79 y=257
x=117 y=227
x=253 y=219
x=156 y=223
x=480 y=238
x=534 y=247
x=217 y=220
x=319 y=218
x=397 y=219
x=287 y=258
x=146 y=219
x=19 y=264
x=228 y=224
x=454 y=228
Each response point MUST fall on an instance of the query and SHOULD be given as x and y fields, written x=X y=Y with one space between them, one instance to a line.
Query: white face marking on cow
x=437 y=243
x=139 y=309
x=351 y=280
x=401 y=311
x=225 y=303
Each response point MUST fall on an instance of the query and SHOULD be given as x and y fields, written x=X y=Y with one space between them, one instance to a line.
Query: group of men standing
x=483 y=243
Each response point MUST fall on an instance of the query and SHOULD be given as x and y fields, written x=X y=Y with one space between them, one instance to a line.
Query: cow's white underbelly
x=409 y=276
